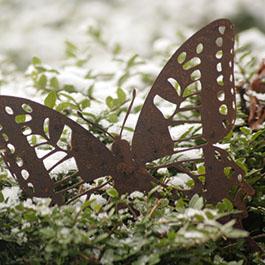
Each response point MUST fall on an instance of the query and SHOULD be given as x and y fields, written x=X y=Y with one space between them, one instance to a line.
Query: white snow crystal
x=162 y=171
x=177 y=131
x=179 y=181
x=193 y=234
x=98 y=199
x=11 y=196
x=223 y=146
x=69 y=78
x=136 y=194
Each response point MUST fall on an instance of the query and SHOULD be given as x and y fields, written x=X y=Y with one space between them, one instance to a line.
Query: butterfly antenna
x=94 y=124
x=128 y=111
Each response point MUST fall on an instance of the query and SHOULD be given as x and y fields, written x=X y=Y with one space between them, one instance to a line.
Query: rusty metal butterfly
x=198 y=77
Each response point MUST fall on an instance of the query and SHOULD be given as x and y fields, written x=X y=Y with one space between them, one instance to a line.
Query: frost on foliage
x=177 y=131
x=97 y=199
x=136 y=194
x=11 y=196
x=157 y=230
x=69 y=164
x=190 y=154
x=163 y=171
x=180 y=180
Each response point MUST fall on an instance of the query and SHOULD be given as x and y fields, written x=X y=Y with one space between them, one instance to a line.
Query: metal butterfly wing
x=26 y=128
x=198 y=77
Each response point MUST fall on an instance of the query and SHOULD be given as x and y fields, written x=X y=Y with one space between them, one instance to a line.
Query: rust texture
x=203 y=63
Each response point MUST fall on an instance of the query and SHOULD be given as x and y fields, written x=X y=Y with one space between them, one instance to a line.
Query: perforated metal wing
x=28 y=128
x=199 y=77
x=206 y=59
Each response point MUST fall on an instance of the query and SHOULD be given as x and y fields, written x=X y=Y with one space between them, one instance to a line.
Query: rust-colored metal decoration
x=199 y=76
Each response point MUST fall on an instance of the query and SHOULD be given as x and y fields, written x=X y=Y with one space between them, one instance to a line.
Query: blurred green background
x=41 y=27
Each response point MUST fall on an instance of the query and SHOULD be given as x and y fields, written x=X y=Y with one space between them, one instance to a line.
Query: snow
x=162 y=171
x=189 y=154
x=259 y=96
x=97 y=199
x=41 y=27
x=70 y=77
x=193 y=234
x=11 y=196
x=136 y=194
x=180 y=181
x=223 y=146
x=51 y=160
x=177 y=131
x=254 y=38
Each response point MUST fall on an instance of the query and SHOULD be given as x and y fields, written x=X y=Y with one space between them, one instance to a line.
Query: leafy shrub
x=95 y=232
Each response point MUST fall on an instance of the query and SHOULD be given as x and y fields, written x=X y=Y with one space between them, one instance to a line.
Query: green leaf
x=64 y=105
x=132 y=61
x=223 y=109
x=121 y=95
x=201 y=170
x=108 y=257
x=90 y=91
x=254 y=136
x=190 y=183
x=113 y=118
x=241 y=164
x=110 y=102
x=123 y=78
x=117 y=48
x=229 y=136
x=196 y=202
x=96 y=207
x=180 y=204
x=36 y=60
x=246 y=130
x=202 y=179
x=69 y=88
x=30 y=215
x=113 y=193
x=50 y=100
x=187 y=91
x=185 y=134
x=227 y=171
x=225 y=206
x=85 y=103
x=171 y=235
x=2 y=198
x=54 y=83
x=20 y=118
x=42 y=82
x=102 y=237
x=71 y=49
x=33 y=140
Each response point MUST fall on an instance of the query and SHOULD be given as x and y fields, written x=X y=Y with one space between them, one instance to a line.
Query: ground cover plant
x=151 y=229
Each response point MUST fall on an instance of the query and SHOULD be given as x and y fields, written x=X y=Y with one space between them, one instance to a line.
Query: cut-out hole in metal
x=9 y=110
x=27 y=108
x=223 y=109
x=25 y=175
x=191 y=63
x=199 y=48
x=182 y=57
x=165 y=107
x=219 y=54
